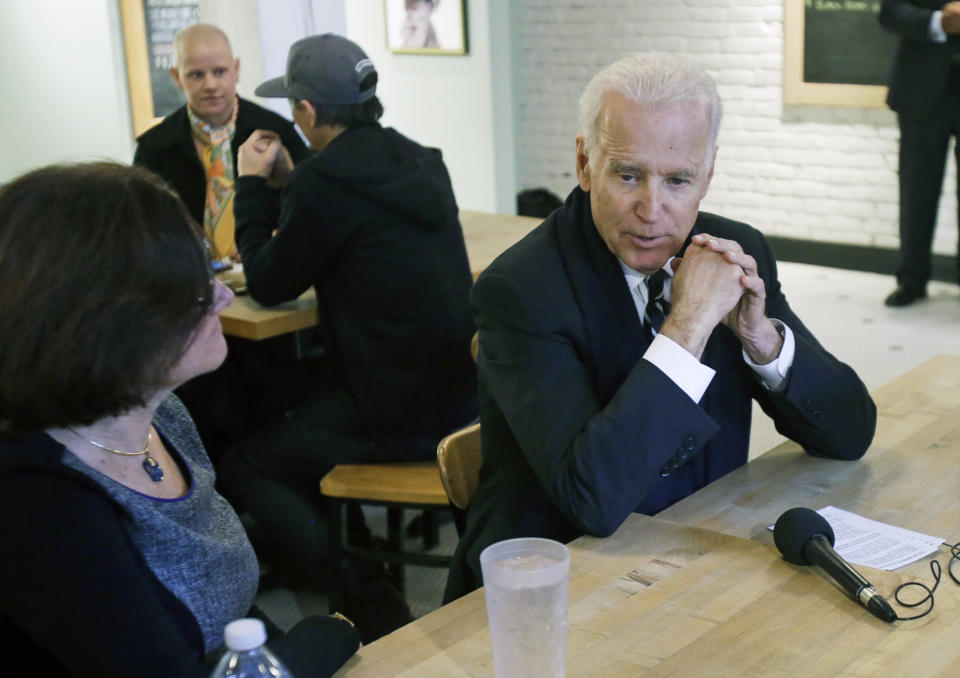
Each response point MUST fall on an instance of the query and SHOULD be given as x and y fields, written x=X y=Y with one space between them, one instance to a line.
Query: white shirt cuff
x=937 y=34
x=773 y=375
x=680 y=366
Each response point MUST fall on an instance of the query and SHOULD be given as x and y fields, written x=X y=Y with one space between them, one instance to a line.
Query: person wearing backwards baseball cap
x=372 y=224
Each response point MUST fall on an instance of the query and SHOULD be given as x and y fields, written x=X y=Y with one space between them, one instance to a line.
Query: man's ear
x=706 y=184
x=175 y=75
x=583 y=164
x=310 y=110
x=236 y=68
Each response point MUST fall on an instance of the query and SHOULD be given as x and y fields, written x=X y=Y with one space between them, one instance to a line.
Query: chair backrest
x=458 y=456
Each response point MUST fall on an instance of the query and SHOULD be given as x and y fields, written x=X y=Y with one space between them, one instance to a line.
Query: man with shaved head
x=195 y=147
x=195 y=150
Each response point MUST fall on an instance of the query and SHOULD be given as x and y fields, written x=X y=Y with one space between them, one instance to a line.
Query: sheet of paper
x=867 y=542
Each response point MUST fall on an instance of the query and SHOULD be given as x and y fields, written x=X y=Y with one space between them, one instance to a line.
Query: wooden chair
x=474 y=345
x=458 y=456
x=419 y=485
x=414 y=485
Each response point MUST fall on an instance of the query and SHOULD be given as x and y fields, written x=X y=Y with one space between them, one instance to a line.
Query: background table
x=713 y=596
x=486 y=236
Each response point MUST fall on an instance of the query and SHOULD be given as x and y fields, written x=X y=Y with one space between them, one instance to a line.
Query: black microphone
x=804 y=537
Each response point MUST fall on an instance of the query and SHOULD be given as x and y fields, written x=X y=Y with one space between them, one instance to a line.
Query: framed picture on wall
x=426 y=26
x=148 y=30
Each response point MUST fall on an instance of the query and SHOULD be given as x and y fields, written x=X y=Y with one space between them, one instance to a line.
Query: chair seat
x=406 y=483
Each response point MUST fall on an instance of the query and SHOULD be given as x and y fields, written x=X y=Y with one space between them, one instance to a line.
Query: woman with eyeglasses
x=120 y=559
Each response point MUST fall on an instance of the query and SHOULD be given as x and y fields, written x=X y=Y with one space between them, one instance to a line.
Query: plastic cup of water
x=526 y=582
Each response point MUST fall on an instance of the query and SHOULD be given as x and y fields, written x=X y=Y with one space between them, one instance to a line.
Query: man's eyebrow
x=626 y=168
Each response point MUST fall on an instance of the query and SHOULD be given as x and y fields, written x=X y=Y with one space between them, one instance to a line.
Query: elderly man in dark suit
x=622 y=340
x=925 y=93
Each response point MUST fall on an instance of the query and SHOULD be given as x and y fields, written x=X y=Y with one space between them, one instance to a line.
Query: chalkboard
x=164 y=18
x=844 y=43
x=149 y=27
x=835 y=52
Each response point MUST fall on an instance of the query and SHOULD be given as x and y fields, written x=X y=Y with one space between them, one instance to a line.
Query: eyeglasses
x=205 y=300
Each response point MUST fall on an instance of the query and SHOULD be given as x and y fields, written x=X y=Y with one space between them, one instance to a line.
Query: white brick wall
x=811 y=172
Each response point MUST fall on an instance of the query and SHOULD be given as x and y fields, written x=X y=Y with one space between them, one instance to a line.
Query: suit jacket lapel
x=614 y=332
x=615 y=336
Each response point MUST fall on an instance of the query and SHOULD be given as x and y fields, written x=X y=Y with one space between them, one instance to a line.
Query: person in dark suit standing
x=195 y=150
x=925 y=94
x=621 y=341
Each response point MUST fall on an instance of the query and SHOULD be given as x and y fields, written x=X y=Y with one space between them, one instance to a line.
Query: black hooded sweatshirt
x=372 y=223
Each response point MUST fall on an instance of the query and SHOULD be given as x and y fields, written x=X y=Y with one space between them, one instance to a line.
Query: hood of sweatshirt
x=383 y=166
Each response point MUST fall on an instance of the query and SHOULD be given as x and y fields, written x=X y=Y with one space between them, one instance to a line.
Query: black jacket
x=579 y=431
x=371 y=222
x=168 y=149
x=921 y=69
x=77 y=597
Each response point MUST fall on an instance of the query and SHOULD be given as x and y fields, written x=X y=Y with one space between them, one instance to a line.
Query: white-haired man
x=622 y=340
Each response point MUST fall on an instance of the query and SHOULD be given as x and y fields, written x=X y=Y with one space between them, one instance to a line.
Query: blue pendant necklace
x=150 y=465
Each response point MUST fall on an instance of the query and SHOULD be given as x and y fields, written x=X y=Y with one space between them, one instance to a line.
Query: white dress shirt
x=681 y=367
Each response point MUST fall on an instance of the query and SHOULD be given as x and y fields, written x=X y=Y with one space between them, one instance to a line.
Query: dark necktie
x=657 y=307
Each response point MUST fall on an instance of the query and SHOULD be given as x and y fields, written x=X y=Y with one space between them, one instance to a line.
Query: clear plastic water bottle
x=247 y=656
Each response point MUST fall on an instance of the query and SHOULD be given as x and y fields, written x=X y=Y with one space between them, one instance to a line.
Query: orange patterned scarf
x=213 y=146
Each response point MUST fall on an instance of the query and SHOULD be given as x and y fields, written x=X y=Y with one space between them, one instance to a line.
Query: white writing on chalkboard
x=164 y=19
x=844 y=5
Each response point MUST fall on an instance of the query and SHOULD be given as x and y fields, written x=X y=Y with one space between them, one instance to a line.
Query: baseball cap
x=323 y=69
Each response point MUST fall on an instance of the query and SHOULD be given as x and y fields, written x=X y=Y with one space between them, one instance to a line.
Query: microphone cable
x=937 y=570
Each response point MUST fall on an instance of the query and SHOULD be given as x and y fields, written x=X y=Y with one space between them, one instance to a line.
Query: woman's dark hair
x=103 y=279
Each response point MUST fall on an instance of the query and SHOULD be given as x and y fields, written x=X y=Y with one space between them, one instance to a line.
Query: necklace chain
x=146 y=446
x=150 y=465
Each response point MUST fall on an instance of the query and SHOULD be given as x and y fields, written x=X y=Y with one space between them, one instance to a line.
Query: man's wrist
x=764 y=346
x=686 y=334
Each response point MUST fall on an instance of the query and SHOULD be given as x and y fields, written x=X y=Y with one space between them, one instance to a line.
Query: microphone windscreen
x=795 y=528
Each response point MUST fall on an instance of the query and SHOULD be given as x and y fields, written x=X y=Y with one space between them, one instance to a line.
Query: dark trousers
x=923 y=153
x=275 y=472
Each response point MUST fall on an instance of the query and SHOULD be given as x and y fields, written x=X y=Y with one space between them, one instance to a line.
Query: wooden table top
x=486 y=236
x=661 y=599
x=707 y=592
x=247 y=319
x=910 y=476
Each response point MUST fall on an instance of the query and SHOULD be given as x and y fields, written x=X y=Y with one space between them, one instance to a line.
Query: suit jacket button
x=665 y=471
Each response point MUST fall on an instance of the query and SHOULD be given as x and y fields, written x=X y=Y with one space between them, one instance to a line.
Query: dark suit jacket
x=168 y=149
x=921 y=68
x=579 y=431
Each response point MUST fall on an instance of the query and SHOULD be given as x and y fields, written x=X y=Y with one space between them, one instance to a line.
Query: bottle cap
x=245 y=634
